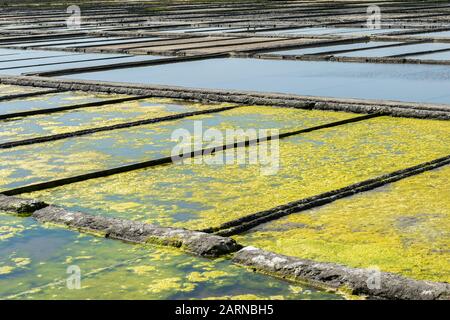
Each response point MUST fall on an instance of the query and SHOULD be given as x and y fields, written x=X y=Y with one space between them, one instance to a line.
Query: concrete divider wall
x=354 y=281
x=386 y=107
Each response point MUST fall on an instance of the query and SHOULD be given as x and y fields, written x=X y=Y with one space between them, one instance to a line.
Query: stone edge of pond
x=347 y=280
x=385 y=107
x=19 y=205
x=199 y=243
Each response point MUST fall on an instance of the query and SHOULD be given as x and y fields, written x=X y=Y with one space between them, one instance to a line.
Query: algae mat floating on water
x=6 y=89
x=34 y=262
x=52 y=100
x=403 y=227
x=85 y=118
x=204 y=195
x=103 y=150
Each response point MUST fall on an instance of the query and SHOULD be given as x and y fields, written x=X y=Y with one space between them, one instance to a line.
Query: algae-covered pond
x=90 y=117
x=398 y=50
x=330 y=48
x=35 y=259
x=23 y=61
x=203 y=194
x=52 y=100
x=108 y=149
x=6 y=90
x=403 y=228
x=195 y=150
x=400 y=228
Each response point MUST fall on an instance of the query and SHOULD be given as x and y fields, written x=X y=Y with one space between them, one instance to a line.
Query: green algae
x=403 y=228
x=59 y=159
x=34 y=265
x=197 y=196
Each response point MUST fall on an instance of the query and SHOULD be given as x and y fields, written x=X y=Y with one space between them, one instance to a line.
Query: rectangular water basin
x=68 y=62
x=52 y=100
x=79 y=119
x=403 y=228
x=392 y=51
x=35 y=261
x=324 y=49
x=102 y=150
x=403 y=82
x=330 y=31
x=208 y=191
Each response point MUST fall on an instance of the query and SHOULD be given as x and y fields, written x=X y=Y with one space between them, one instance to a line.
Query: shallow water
x=417 y=83
x=79 y=40
x=111 y=42
x=35 y=57
x=324 y=49
x=433 y=34
x=68 y=62
x=433 y=56
x=403 y=227
x=109 y=149
x=30 y=54
x=212 y=30
x=4 y=66
x=34 y=261
x=232 y=30
x=331 y=30
x=205 y=194
x=187 y=30
x=391 y=51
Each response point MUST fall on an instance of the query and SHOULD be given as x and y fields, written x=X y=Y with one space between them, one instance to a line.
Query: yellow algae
x=67 y=157
x=170 y=284
x=83 y=257
x=7 y=232
x=284 y=119
x=205 y=276
x=47 y=166
x=21 y=262
x=403 y=228
x=142 y=269
x=297 y=289
x=85 y=118
x=201 y=195
x=6 y=270
x=125 y=206
x=69 y=259
x=6 y=89
x=12 y=226
x=81 y=95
